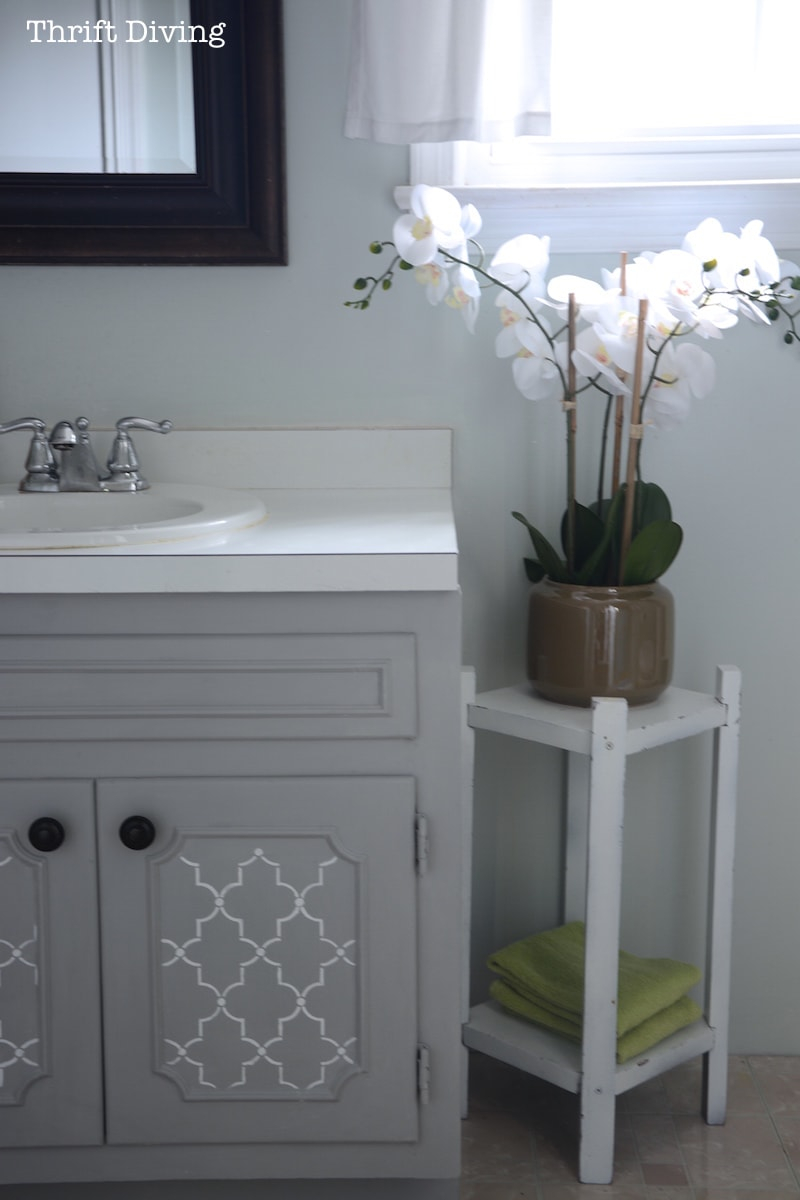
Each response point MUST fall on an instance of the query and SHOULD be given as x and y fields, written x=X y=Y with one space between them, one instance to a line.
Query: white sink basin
x=166 y=512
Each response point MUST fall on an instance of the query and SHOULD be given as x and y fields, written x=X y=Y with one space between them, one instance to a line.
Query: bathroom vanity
x=230 y=834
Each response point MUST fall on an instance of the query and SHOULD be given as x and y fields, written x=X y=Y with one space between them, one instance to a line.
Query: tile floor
x=520 y=1138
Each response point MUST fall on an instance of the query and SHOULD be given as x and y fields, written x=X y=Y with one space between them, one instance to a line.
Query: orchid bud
x=360 y=284
x=387 y=283
x=710 y=265
x=788 y=338
x=375 y=248
x=405 y=266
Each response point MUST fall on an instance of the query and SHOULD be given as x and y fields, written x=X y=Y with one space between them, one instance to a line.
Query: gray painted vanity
x=242 y=962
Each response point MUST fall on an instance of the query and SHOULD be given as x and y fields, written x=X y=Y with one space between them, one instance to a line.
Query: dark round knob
x=46 y=834
x=137 y=833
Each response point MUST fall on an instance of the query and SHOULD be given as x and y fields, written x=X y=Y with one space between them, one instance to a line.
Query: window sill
x=631 y=217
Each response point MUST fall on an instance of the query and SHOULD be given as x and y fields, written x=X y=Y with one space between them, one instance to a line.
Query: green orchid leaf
x=533 y=569
x=600 y=508
x=593 y=569
x=588 y=533
x=650 y=504
x=550 y=561
x=652 y=551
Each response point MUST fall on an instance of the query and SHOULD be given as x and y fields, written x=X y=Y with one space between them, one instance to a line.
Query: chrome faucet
x=77 y=469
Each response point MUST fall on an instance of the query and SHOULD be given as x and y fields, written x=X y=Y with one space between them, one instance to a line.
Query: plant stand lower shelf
x=598 y=742
x=513 y=1040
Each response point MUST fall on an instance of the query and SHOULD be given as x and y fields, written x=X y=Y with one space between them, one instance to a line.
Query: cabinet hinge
x=423 y=1073
x=421 y=843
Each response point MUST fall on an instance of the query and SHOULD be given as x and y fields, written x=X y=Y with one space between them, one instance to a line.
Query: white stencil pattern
x=20 y=1019
x=259 y=978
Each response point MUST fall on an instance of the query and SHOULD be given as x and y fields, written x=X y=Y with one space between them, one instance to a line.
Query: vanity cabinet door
x=50 y=1053
x=259 y=960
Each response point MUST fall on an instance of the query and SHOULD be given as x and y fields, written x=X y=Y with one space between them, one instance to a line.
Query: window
x=661 y=115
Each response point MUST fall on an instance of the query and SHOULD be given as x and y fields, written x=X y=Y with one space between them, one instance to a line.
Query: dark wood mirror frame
x=233 y=210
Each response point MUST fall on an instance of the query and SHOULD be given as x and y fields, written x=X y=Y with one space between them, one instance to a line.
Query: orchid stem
x=570 y=406
x=619 y=411
x=634 y=440
x=601 y=474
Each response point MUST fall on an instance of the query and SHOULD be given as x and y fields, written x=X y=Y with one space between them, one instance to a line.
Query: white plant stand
x=598 y=741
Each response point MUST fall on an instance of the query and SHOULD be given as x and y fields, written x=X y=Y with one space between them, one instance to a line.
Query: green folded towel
x=541 y=978
x=676 y=1016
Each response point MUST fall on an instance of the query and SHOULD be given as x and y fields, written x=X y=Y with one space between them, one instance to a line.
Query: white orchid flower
x=434 y=222
x=471 y=221
x=515 y=317
x=714 y=314
x=710 y=321
x=512 y=315
x=638 y=278
x=433 y=277
x=750 y=309
x=589 y=295
x=677 y=281
x=536 y=360
x=672 y=282
x=759 y=254
x=592 y=357
x=522 y=263
x=760 y=270
x=744 y=264
x=709 y=242
x=520 y=304
x=707 y=319
x=535 y=367
x=617 y=327
x=464 y=294
x=454 y=284
x=685 y=372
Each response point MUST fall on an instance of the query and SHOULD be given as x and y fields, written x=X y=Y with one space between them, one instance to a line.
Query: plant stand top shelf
x=517 y=712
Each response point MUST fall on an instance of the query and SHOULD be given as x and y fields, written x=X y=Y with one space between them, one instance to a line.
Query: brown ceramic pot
x=600 y=641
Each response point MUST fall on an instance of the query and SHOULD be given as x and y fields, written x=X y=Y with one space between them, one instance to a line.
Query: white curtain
x=449 y=70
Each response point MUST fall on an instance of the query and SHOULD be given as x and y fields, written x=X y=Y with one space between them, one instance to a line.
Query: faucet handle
x=123 y=465
x=143 y=423
x=24 y=423
x=40 y=466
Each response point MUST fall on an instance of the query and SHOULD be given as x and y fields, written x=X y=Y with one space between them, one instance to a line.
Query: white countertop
x=331 y=538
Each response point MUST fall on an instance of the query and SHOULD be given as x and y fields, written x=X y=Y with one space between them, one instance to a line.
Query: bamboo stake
x=619 y=413
x=570 y=408
x=634 y=438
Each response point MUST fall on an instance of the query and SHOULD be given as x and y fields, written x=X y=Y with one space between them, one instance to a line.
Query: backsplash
x=275 y=458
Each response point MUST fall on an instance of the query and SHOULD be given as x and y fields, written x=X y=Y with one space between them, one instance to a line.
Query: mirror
x=122 y=74
x=217 y=194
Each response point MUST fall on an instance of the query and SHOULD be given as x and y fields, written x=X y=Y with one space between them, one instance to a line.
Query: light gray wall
x=275 y=346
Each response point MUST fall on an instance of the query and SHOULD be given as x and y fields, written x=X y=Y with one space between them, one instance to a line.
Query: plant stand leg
x=603 y=891
x=467 y=802
x=718 y=949
x=577 y=837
